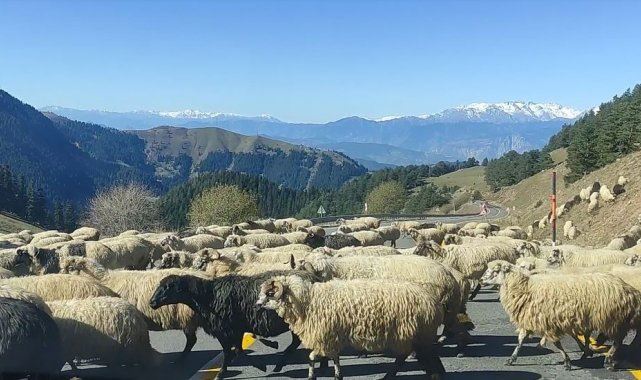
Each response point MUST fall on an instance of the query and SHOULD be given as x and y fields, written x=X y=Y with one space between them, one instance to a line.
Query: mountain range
x=478 y=129
x=71 y=160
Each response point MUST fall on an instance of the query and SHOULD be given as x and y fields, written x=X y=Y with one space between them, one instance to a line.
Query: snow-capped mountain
x=506 y=112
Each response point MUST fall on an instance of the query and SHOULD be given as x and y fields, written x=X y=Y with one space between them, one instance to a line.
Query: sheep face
x=555 y=258
x=46 y=261
x=72 y=265
x=632 y=260
x=271 y=294
x=232 y=241
x=169 y=260
x=203 y=257
x=169 y=291
x=496 y=272
x=22 y=260
x=170 y=242
x=428 y=248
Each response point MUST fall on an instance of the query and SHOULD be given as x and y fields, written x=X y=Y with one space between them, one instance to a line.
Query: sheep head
x=271 y=294
x=496 y=272
x=171 y=242
x=170 y=291
x=632 y=260
x=428 y=248
x=232 y=241
x=72 y=265
x=344 y=229
x=169 y=260
x=413 y=232
x=556 y=257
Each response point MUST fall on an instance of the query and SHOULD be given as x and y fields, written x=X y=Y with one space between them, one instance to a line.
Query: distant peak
x=504 y=112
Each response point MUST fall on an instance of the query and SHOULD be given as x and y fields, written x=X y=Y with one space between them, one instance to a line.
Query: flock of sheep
x=72 y=298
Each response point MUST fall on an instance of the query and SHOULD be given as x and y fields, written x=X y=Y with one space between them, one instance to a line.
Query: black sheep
x=334 y=241
x=30 y=342
x=227 y=306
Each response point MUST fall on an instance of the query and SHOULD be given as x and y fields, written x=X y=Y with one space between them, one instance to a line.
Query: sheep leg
x=190 y=334
x=337 y=368
x=228 y=356
x=523 y=334
x=312 y=361
x=393 y=243
x=566 y=358
x=584 y=346
x=288 y=351
x=476 y=290
x=397 y=365
x=610 y=361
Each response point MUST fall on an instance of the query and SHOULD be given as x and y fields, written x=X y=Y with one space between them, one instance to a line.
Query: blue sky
x=316 y=61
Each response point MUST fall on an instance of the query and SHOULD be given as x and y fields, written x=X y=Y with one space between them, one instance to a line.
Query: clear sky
x=316 y=61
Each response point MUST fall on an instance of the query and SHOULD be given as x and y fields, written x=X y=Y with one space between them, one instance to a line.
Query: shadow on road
x=172 y=367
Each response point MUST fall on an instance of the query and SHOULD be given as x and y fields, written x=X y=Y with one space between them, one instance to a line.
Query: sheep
x=261 y=241
x=622 y=181
x=17 y=261
x=222 y=231
x=561 y=210
x=293 y=226
x=566 y=227
x=452 y=239
x=622 y=242
x=353 y=227
x=448 y=228
x=236 y=230
x=129 y=233
x=227 y=307
x=53 y=287
x=30 y=342
x=585 y=194
x=177 y=259
x=296 y=237
x=86 y=233
x=282 y=225
x=389 y=233
x=137 y=288
x=543 y=222
x=635 y=232
x=287 y=248
x=192 y=243
x=428 y=233
x=263 y=224
x=405 y=225
x=470 y=225
x=8 y=291
x=513 y=233
x=531 y=263
x=134 y=252
x=370 y=221
x=594 y=204
x=605 y=194
x=367 y=315
x=374 y=250
x=318 y=230
x=106 y=328
x=43 y=235
x=333 y=241
x=6 y=273
x=368 y=238
x=587 y=257
x=618 y=190
x=529 y=232
x=553 y=305
x=49 y=240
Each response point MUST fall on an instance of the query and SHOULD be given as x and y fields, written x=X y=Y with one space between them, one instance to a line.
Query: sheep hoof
x=462 y=355
x=510 y=360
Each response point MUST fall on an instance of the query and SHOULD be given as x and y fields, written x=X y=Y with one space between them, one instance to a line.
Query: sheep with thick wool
x=18 y=261
x=137 y=287
x=372 y=250
x=54 y=287
x=295 y=225
x=552 y=305
x=389 y=233
x=176 y=259
x=8 y=291
x=261 y=241
x=370 y=221
x=108 y=329
x=282 y=225
x=30 y=342
x=405 y=225
x=236 y=230
x=605 y=194
x=133 y=252
x=296 y=237
x=227 y=307
x=622 y=242
x=262 y=224
x=368 y=238
x=448 y=228
x=420 y=270
x=588 y=257
x=192 y=243
x=318 y=230
x=86 y=233
x=452 y=239
x=397 y=318
x=428 y=233
x=352 y=227
x=336 y=240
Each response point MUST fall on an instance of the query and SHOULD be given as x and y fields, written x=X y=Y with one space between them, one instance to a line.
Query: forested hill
x=71 y=160
x=180 y=152
x=599 y=138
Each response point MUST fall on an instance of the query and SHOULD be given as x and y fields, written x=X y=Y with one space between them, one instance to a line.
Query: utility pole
x=553 y=201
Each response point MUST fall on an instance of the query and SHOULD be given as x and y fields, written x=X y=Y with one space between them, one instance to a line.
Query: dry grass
x=9 y=225
x=597 y=229
x=473 y=178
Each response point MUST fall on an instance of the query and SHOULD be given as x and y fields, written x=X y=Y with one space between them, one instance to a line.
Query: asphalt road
x=494 y=341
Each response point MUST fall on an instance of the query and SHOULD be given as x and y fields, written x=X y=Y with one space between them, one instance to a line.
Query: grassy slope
x=9 y=224
x=598 y=228
x=473 y=178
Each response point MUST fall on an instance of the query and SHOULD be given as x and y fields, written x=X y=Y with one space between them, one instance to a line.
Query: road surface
x=494 y=341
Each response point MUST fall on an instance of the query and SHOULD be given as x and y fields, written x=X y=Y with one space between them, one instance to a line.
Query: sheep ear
x=278 y=289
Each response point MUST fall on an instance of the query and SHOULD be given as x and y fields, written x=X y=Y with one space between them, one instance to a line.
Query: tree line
x=513 y=167
x=28 y=201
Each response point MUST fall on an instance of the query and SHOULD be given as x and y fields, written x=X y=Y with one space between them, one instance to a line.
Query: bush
x=387 y=198
x=123 y=207
x=224 y=205
x=429 y=196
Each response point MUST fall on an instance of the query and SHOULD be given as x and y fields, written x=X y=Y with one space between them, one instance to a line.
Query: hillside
x=178 y=153
x=472 y=178
x=597 y=228
x=9 y=224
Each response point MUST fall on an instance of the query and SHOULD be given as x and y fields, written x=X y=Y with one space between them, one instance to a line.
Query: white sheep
x=192 y=243
x=137 y=287
x=129 y=233
x=428 y=233
x=553 y=305
x=366 y=315
x=296 y=237
x=53 y=287
x=369 y=220
x=281 y=225
x=132 y=252
x=587 y=257
x=86 y=233
x=106 y=328
x=622 y=181
x=8 y=291
x=622 y=242
x=585 y=194
x=605 y=194
x=448 y=228
x=352 y=227
x=594 y=203
x=293 y=226
x=452 y=239
x=389 y=233
x=368 y=238
x=405 y=225
x=513 y=233
x=372 y=250
x=261 y=241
